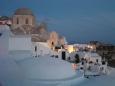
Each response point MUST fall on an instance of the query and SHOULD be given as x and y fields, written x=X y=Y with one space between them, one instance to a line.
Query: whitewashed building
x=20 y=42
x=42 y=49
x=93 y=57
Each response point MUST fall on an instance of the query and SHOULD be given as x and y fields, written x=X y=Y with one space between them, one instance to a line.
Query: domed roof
x=23 y=11
x=45 y=68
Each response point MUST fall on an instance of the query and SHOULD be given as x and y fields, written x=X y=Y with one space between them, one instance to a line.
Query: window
x=17 y=21
x=52 y=43
x=26 y=22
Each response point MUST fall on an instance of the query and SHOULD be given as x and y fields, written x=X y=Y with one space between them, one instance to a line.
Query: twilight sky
x=78 y=20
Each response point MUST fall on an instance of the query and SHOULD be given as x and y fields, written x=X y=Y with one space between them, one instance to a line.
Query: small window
x=26 y=22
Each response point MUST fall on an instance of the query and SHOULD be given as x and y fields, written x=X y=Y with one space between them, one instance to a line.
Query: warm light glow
x=90 y=46
x=74 y=66
x=70 y=48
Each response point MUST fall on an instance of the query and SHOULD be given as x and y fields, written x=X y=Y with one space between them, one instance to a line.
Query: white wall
x=60 y=54
x=20 y=43
x=42 y=48
x=4 y=39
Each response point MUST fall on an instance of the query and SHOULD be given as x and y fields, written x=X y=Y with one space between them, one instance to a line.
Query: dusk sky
x=78 y=20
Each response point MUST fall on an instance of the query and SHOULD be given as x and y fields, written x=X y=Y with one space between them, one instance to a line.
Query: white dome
x=10 y=72
x=43 y=68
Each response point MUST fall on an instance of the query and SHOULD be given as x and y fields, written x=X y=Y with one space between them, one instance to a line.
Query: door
x=63 y=55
